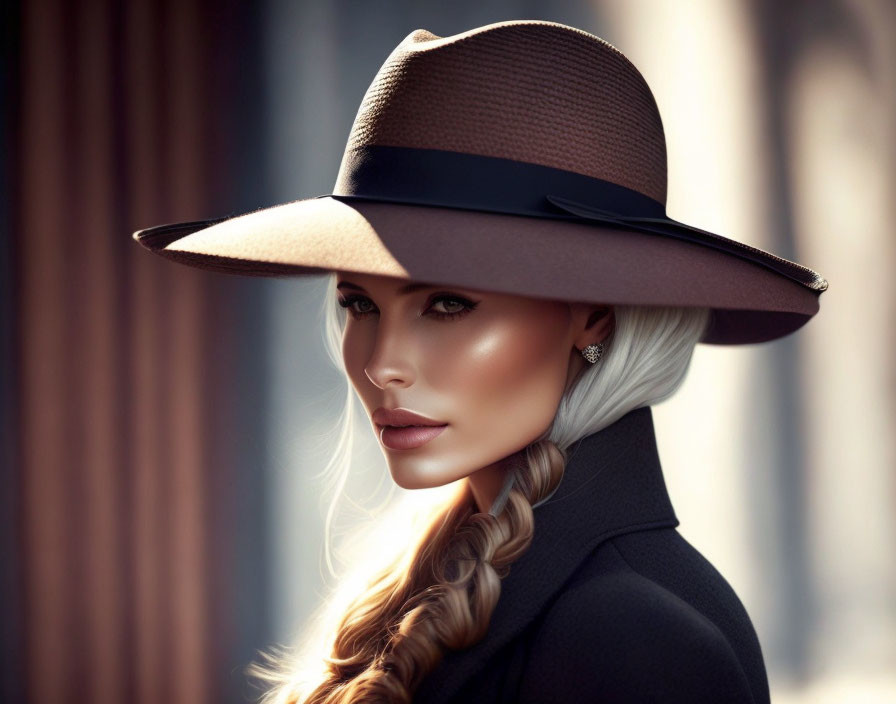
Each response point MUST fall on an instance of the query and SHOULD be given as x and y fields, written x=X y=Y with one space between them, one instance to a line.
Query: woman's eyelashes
x=349 y=302
x=452 y=306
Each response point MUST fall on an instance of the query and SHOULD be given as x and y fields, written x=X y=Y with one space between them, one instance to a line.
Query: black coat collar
x=613 y=484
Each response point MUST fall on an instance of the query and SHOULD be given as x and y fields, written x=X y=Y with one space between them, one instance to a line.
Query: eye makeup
x=446 y=299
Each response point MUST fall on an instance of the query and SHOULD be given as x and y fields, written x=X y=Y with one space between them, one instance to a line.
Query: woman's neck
x=486 y=483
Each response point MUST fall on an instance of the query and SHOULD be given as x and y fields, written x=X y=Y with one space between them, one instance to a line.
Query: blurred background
x=162 y=426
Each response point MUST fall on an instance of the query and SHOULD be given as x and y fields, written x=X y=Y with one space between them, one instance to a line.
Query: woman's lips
x=410 y=437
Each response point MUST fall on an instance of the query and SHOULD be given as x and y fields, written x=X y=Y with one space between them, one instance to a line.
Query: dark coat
x=609 y=603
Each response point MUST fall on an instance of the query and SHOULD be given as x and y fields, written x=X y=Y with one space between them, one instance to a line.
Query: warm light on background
x=163 y=426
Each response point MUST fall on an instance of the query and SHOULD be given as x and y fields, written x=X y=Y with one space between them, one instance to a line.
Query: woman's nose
x=390 y=361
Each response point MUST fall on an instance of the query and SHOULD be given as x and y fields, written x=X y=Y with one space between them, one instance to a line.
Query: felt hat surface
x=523 y=157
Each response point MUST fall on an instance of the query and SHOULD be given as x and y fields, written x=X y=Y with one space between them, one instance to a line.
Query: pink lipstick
x=401 y=429
x=410 y=437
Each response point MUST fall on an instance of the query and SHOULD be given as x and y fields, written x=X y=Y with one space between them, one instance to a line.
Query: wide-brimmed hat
x=523 y=157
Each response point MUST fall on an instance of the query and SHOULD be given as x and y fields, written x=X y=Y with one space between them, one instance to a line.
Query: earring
x=593 y=352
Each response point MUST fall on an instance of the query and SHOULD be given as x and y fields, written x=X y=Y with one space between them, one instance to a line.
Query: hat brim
x=537 y=257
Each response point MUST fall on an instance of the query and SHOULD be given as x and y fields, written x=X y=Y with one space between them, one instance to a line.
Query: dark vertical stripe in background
x=134 y=563
x=11 y=577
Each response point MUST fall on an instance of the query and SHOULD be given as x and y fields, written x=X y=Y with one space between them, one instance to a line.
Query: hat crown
x=530 y=91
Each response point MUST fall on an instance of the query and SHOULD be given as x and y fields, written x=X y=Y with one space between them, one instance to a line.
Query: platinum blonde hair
x=393 y=620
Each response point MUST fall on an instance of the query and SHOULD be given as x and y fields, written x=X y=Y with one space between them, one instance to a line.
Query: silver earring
x=593 y=352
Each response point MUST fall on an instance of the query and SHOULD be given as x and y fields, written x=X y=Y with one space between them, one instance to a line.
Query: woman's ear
x=594 y=323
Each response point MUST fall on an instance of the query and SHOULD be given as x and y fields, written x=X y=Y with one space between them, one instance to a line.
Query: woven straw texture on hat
x=522 y=91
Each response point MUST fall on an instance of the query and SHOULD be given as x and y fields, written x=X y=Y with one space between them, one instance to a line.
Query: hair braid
x=452 y=609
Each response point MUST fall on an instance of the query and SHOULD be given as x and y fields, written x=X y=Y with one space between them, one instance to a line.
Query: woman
x=508 y=299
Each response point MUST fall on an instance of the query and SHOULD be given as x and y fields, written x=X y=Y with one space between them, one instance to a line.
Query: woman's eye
x=442 y=307
x=452 y=307
x=364 y=306
x=449 y=305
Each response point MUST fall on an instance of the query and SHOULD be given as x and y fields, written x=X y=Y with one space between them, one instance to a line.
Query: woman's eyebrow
x=407 y=288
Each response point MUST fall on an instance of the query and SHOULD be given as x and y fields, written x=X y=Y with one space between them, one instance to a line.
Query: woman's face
x=489 y=369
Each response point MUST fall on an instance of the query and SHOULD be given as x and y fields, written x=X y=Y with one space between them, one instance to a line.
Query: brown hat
x=522 y=157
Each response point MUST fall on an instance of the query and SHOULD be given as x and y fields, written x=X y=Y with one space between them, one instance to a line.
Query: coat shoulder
x=617 y=632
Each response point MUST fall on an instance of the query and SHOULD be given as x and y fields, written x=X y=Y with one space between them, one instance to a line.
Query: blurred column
x=839 y=101
x=303 y=130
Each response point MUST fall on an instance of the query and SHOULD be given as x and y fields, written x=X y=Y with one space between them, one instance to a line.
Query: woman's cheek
x=504 y=384
x=352 y=354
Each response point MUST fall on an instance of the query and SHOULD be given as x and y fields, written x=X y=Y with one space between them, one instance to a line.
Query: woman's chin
x=413 y=481
x=421 y=477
